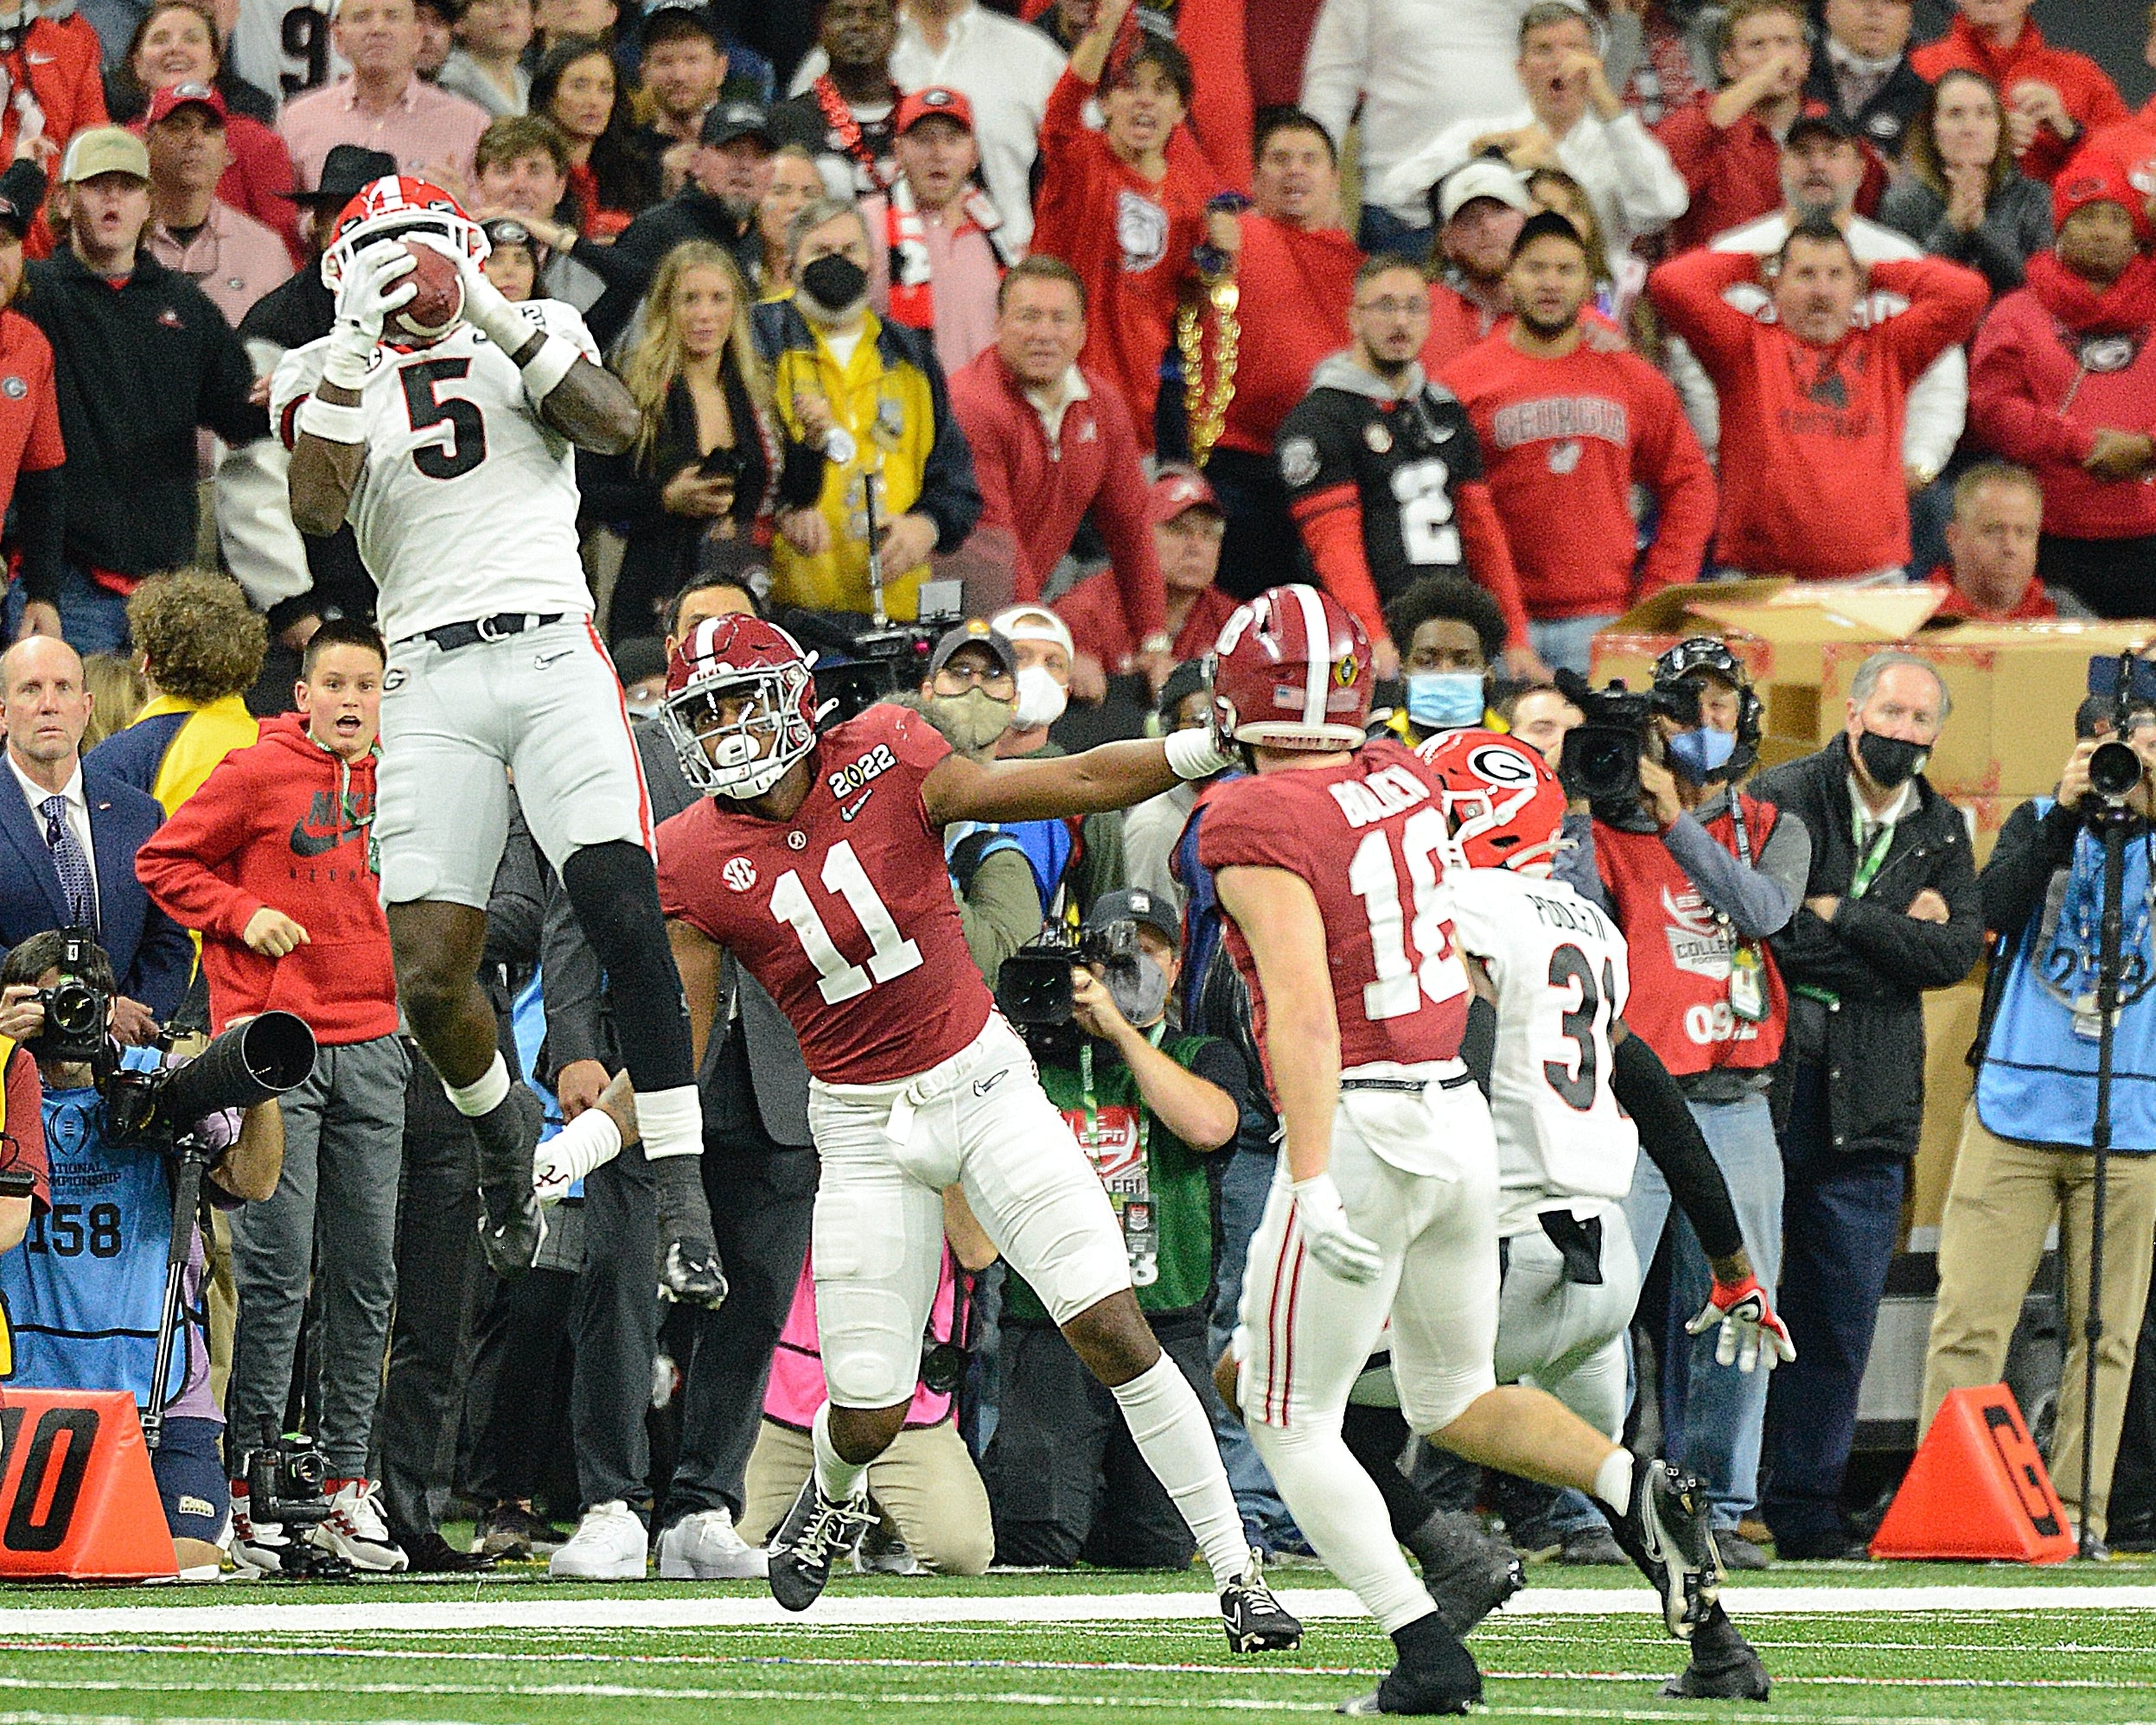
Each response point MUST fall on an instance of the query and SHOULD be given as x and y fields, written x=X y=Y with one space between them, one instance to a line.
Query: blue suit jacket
x=152 y=954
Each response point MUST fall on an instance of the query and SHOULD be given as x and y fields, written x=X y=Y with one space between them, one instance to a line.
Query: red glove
x=1748 y=1321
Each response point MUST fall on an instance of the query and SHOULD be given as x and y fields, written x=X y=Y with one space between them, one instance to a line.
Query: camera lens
x=2113 y=771
x=73 y=1009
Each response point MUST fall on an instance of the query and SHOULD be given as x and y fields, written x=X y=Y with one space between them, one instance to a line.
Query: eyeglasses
x=1393 y=307
x=989 y=676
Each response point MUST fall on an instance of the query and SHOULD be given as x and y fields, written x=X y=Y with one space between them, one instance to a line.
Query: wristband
x=1191 y=754
x=335 y=422
x=549 y=366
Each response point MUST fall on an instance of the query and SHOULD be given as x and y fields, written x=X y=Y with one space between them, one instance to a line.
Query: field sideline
x=1849 y=1645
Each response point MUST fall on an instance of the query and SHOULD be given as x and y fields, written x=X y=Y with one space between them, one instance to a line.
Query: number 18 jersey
x=466 y=505
x=844 y=913
x=1559 y=965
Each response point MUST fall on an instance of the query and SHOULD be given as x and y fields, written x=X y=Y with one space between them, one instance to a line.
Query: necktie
x=73 y=866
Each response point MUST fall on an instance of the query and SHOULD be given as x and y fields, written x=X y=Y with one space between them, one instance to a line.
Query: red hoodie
x=2091 y=98
x=284 y=823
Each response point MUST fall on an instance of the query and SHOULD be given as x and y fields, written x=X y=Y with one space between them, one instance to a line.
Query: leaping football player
x=818 y=861
x=1331 y=862
x=450 y=449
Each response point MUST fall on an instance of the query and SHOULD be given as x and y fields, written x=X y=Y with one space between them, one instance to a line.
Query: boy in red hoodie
x=270 y=860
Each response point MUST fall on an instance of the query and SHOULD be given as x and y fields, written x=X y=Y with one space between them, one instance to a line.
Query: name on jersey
x=1577 y=917
x=1386 y=792
x=1562 y=415
x=856 y=773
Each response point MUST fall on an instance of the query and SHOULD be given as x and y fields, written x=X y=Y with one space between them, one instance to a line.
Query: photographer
x=2024 y=1162
x=85 y=1292
x=1890 y=910
x=25 y=1186
x=1148 y=1105
x=1697 y=876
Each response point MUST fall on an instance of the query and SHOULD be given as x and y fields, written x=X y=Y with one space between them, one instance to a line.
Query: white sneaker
x=704 y=1547
x=609 y=1545
x=256 y=1551
x=356 y=1532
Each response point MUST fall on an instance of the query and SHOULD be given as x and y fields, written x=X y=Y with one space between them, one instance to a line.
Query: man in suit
x=68 y=837
x=760 y=1174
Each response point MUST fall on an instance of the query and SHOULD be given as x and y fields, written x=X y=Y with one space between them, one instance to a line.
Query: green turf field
x=1909 y=1643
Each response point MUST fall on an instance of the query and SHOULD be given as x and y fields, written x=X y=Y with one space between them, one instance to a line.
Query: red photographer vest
x=1680 y=950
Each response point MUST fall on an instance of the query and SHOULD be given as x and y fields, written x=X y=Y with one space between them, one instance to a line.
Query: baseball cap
x=730 y=121
x=103 y=150
x=1136 y=904
x=936 y=100
x=671 y=20
x=1033 y=623
x=2095 y=176
x=1177 y=491
x=1482 y=178
x=346 y=171
x=974 y=632
x=167 y=102
x=1822 y=125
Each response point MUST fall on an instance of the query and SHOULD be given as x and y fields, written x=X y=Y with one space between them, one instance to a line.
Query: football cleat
x=1253 y=1617
x=512 y=1226
x=815 y=1532
x=1434 y=1675
x=1724 y=1666
x=1664 y=1531
x=1468 y=1573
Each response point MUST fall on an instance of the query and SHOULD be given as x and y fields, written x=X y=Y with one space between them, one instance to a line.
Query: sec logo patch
x=739 y=873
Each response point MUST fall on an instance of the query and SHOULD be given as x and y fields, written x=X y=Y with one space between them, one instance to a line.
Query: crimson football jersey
x=1371 y=838
x=844 y=913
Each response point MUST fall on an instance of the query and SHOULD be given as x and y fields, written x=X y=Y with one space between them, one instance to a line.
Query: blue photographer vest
x=85 y=1290
x=2037 y=1081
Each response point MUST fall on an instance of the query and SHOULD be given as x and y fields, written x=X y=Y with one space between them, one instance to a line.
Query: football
x=432 y=312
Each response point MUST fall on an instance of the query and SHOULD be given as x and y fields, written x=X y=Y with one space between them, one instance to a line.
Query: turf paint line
x=897 y=1610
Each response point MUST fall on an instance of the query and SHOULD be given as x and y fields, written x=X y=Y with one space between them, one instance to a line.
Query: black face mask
x=834 y=282
x=1889 y=760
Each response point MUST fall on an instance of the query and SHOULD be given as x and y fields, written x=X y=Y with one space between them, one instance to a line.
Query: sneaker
x=704 y=1547
x=1664 y=1530
x=1724 y=1666
x=816 y=1531
x=510 y=1533
x=1592 y=1547
x=1468 y=1573
x=1434 y=1675
x=256 y=1551
x=609 y=1545
x=355 y=1531
x=1739 y=1552
x=1255 y=1620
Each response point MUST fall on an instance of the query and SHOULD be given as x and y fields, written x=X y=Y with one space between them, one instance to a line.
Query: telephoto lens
x=2113 y=771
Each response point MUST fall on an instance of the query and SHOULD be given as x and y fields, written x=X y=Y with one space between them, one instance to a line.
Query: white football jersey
x=284 y=47
x=466 y=505
x=1562 y=978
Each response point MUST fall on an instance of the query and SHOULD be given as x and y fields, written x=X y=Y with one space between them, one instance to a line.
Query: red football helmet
x=392 y=205
x=1506 y=807
x=739 y=656
x=1292 y=669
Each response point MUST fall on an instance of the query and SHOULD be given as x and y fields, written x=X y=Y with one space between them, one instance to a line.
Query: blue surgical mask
x=1445 y=700
x=1697 y=755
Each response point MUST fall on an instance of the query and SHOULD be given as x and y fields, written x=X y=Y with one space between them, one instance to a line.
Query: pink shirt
x=234 y=259
x=963 y=274
x=426 y=129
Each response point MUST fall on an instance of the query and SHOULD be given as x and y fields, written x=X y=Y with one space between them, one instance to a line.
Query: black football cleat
x=1724 y=1666
x=1435 y=1675
x=816 y=1530
x=1468 y=1573
x=1255 y=1620
x=512 y=1228
x=1664 y=1531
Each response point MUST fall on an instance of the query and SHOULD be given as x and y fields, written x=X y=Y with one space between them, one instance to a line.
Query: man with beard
x=1565 y=432
x=1479 y=209
x=1812 y=404
x=1384 y=475
x=848 y=108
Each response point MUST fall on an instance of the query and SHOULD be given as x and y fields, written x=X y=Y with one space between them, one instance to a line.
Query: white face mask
x=1040 y=699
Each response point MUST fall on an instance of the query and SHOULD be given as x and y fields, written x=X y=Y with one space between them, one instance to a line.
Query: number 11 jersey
x=466 y=505
x=844 y=913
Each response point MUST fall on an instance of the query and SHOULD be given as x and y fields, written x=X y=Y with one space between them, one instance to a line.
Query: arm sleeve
x=2008 y=410
x=570 y=984
x=2031 y=848
x=1687 y=292
x=1489 y=554
x=1478 y=1046
x=1916 y=953
x=1001 y=910
x=1120 y=511
x=1673 y=1142
x=1757 y=901
x=1332 y=66
x=949 y=496
x=164 y=962
x=1946 y=301
x=1936 y=410
x=1676 y=471
x=1575 y=864
x=1650 y=192
x=1330 y=523
x=24 y=1144
x=176 y=863
x=41 y=516
x=227 y=381
x=616 y=488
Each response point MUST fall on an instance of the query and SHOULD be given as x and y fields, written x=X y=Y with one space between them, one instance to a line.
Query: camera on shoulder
x=1601 y=754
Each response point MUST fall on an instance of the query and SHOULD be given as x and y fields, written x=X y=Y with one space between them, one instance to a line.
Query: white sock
x=670 y=1122
x=589 y=1141
x=483 y=1095
x=838 y=1478
x=1613 y=1480
x=1167 y=1423
x=1341 y=1512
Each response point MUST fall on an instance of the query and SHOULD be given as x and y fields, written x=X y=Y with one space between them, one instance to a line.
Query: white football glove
x=371 y=287
x=485 y=307
x=1336 y=1245
x=1752 y=1331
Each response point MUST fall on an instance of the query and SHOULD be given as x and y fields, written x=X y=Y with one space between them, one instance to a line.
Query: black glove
x=689 y=1270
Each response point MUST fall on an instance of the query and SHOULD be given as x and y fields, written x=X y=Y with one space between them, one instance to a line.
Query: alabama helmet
x=396 y=204
x=1292 y=669
x=739 y=656
x=1504 y=804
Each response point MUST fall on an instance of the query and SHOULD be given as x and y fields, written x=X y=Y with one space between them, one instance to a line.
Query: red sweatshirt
x=1297 y=286
x=1040 y=491
x=284 y=824
x=2132 y=143
x=1812 y=481
x=1733 y=172
x=2091 y=98
x=2046 y=375
x=1129 y=238
x=1563 y=441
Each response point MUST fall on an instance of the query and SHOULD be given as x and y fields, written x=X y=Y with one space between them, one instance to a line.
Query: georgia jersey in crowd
x=466 y=503
x=858 y=869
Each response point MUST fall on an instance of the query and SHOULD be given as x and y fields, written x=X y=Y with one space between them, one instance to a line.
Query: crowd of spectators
x=1081 y=320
